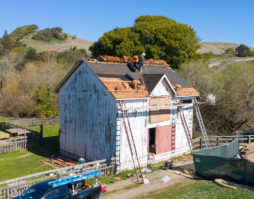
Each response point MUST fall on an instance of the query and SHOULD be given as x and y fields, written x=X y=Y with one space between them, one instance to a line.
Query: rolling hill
x=217 y=48
x=56 y=45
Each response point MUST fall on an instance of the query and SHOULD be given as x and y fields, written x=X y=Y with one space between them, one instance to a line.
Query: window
x=62 y=193
x=187 y=101
x=51 y=195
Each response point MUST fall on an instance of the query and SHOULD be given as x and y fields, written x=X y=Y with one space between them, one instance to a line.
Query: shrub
x=49 y=34
x=230 y=51
x=22 y=50
x=31 y=55
x=71 y=56
x=251 y=53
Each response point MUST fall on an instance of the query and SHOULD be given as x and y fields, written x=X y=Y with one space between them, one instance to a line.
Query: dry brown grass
x=57 y=45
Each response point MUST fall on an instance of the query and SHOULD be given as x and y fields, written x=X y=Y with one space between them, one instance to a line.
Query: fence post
x=249 y=141
x=200 y=143
x=217 y=141
x=41 y=134
x=113 y=164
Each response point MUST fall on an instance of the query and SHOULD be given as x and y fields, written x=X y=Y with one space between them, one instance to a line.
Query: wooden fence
x=32 y=122
x=13 y=145
x=15 y=187
x=31 y=139
x=199 y=143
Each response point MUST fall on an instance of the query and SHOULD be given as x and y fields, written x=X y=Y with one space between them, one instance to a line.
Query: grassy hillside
x=216 y=47
x=56 y=45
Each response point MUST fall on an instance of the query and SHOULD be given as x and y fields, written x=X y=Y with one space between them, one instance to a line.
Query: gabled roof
x=151 y=81
x=119 y=70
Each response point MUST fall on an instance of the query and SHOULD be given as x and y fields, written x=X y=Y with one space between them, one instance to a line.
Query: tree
x=234 y=91
x=158 y=36
x=118 y=42
x=198 y=75
x=47 y=101
x=6 y=42
x=242 y=51
x=22 y=31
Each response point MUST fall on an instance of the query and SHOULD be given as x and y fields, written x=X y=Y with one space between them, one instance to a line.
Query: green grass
x=110 y=178
x=198 y=190
x=5 y=119
x=21 y=163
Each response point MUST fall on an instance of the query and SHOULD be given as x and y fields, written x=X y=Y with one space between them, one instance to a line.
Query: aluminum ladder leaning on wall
x=201 y=124
x=185 y=127
x=131 y=142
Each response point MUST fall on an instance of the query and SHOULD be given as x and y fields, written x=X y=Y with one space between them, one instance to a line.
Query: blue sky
x=213 y=20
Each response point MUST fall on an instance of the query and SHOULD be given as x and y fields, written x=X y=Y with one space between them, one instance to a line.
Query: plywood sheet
x=159 y=114
x=4 y=135
x=163 y=139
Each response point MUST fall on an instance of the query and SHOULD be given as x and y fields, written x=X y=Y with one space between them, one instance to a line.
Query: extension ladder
x=185 y=128
x=201 y=124
x=131 y=142
x=142 y=78
x=173 y=131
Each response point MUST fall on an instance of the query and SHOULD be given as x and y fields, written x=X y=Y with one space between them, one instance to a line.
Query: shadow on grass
x=49 y=147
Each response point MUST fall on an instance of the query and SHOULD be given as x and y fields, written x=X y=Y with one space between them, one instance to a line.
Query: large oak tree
x=158 y=36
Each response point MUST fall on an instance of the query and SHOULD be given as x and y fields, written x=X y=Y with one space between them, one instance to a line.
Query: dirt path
x=228 y=61
x=128 y=189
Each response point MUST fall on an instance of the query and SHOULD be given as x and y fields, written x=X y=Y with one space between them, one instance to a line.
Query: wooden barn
x=92 y=97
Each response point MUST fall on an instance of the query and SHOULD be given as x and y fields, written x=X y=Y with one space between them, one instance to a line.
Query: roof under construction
x=113 y=76
x=121 y=88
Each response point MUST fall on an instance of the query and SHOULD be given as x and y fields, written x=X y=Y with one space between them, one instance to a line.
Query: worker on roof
x=135 y=83
x=141 y=61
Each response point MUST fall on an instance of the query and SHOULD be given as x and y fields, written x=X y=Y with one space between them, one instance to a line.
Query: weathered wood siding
x=161 y=89
x=87 y=117
x=138 y=118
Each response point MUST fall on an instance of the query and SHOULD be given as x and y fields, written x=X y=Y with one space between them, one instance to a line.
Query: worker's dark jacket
x=141 y=60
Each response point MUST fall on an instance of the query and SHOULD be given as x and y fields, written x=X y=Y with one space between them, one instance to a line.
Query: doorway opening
x=151 y=148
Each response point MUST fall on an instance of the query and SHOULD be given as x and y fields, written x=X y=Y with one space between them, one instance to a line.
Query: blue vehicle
x=65 y=188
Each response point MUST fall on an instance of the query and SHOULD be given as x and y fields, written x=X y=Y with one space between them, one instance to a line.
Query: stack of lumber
x=248 y=152
x=105 y=58
x=61 y=161
x=156 y=62
x=126 y=59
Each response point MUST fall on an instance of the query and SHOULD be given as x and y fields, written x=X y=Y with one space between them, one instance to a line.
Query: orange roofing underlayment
x=122 y=89
x=187 y=92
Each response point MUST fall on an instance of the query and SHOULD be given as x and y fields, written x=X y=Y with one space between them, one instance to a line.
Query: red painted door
x=163 y=139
